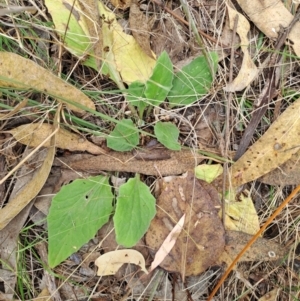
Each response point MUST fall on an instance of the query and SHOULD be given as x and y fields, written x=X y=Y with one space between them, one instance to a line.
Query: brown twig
x=268 y=92
x=253 y=239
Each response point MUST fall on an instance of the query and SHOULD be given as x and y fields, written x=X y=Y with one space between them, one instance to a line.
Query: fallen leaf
x=30 y=190
x=172 y=163
x=34 y=134
x=268 y=15
x=122 y=4
x=274 y=148
x=168 y=244
x=248 y=69
x=240 y=215
x=287 y=174
x=262 y=249
x=202 y=240
x=138 y=23
x=110 y=262
x=208 y=172
x=20 y=73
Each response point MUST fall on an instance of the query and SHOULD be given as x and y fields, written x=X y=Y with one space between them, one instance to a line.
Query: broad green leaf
x=167 y=134
x=136 y=96
x=160 y=82
x=123 y=138
x=193 y=81
x=76 y=213
x=134 y=210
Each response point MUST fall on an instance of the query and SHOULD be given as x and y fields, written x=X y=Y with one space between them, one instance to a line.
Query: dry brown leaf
x=18 y=72
x=30 y=190
x=274 y=148
x=35 y=133
x=174 y=163
x=262 y=249
x=202 y=239
x=138 y=23
x=168 y=244
x=268 y=15
x=286 y=174
x=110 y=262
x=248 y=69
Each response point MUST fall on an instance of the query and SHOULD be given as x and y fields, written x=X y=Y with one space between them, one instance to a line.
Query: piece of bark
x=177 y=162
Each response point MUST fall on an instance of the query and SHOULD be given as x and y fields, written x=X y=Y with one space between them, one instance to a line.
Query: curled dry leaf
x=202 y=239
x=35 y=133
x=274 y=148
x=109 y=263
x=268 y=16
x=248 y=69
x=18 y=72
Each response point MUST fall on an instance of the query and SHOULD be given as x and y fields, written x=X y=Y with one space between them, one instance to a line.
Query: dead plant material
x=268 y=92
x=177 y=162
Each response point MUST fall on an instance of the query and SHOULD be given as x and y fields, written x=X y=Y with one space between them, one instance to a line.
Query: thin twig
x=253 y=239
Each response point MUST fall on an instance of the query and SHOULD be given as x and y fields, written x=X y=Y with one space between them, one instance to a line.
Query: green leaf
x=134 y=210
x=160 y=82
x=76 y=213
x=167 y=134
x=193 y=81
x=136 y=96
x=123 y=138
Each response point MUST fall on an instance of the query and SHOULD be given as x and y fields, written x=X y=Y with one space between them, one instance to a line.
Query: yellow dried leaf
x=208 y=172
x=241 y=215
x=274 y=148
x=122 y=52
x=18 y=72
x=268 y=15
x=248 y=69
x=35 y=133
x=110 y=262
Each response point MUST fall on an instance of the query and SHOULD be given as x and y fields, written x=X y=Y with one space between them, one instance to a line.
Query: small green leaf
x=167 y=134
x=123 y=138
x=160 y=82
x=76 y=213
x=193 y=81
x=136 y=95
x=134 y=210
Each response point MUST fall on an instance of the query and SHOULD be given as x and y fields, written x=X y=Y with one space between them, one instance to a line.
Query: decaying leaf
x=287 y=174
x=35 y=133
x=168 y=244
x=30 y=190
x=122 y=4
x=240 y=215
x=248 y=69
x=268 y=16
x=274 y=148
x=271 y=296
x=262 y=249
x=208 y=172
x=201 y=241
x=18 y=72
x=110 y=262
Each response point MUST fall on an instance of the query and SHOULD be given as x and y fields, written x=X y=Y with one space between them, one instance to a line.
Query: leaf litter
x=183 y=161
